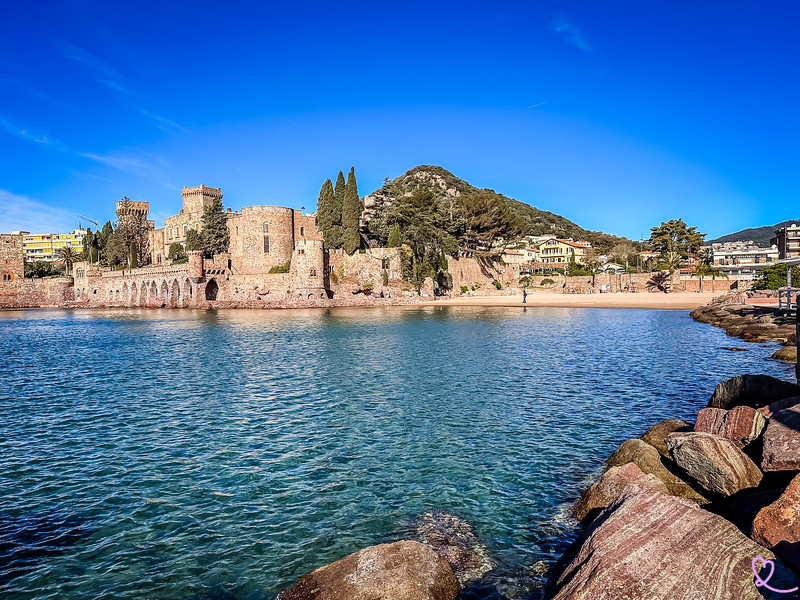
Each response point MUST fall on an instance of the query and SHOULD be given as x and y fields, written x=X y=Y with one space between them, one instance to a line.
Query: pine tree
x=351 y=215
x=325 y=213
x=395 y=237
x=338 y=205
x=214 y=237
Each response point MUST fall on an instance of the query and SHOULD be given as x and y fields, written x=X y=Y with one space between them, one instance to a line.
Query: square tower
x=195 y=199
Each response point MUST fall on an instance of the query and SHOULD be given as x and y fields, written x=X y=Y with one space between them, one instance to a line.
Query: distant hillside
x=455 y=197
x=759 y=235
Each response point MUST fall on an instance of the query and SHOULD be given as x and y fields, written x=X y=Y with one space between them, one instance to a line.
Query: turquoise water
x=221 y=455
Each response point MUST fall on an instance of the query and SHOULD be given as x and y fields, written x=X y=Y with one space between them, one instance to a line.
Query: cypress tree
x=325 y=213
x=338 y=205
x=193 y=240
x=134 y=258
x=395 y=237
x=351 y=215
x=214 y=237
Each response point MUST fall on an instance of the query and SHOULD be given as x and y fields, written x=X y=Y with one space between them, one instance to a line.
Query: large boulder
x=603 y=492
x=715 y=463
x=404 y=570
x=741 y=424
x=751 y=390
x=782 y=441
x=651 y=546
x=454 y=539
x=657 y=434
x=786 y=354
x=777 y=526
x=770 y=409
x=650 y=462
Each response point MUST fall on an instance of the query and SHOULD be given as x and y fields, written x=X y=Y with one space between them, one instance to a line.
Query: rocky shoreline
x=680 y=513
x=752 y=323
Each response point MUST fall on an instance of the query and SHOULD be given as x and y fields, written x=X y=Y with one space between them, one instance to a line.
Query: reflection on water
x=191 y=454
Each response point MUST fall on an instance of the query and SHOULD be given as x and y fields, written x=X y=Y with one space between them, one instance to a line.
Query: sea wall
x=54 y=292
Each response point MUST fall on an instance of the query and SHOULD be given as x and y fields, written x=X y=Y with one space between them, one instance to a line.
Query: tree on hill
x=325 y=208
x=487 y=222
x=351 y=215
x=338 y=206
x=675 y=237
x=214 y=236
x=395 y=237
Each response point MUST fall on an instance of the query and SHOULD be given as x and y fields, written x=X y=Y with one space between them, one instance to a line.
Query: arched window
x=265 y=228
x=185 y=229
x=313 y=273
x=8 y=276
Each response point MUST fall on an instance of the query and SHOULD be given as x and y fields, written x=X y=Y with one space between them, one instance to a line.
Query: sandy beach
x=675 y=301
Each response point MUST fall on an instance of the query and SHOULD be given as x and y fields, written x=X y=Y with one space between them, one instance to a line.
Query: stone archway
x=186 y=294
x=125 y=296
x=174 y=295
x=163 y=295
x=153 y=300
x=212 y=290
x=142 y=300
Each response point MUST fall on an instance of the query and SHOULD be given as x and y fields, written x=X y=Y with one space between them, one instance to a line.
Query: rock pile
x=682 y=512
x=751 y=323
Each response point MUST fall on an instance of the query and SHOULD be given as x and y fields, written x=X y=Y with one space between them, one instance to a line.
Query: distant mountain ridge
x=446 y=189
x=759 y=235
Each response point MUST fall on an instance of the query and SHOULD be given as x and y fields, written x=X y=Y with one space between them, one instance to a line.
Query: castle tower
x=195 y=199
x=308 y=268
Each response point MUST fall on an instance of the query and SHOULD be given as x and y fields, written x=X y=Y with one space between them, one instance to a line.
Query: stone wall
x=12 y=258
x=469 y=272
x=247 y=230
x=36 y=293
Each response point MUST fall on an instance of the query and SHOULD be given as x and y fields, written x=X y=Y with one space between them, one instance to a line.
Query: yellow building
x=558 y=253
x=46 y=246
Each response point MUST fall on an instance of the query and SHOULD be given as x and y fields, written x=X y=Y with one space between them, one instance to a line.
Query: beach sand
x=675 y=301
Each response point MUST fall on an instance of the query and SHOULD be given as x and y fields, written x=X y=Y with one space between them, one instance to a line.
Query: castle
x=276 y=259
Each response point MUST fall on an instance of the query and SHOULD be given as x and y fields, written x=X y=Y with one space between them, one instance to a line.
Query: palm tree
x=69 y=256
x=670 y=261
x=705 y=267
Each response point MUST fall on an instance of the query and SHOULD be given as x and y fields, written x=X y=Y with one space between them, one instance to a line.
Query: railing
x=785 y=297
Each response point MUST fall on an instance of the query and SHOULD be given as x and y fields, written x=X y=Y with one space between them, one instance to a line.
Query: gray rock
x=751 y=390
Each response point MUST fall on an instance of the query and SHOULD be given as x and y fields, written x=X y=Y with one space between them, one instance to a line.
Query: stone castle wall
x=247 y=229
x=470 y=271
x=53 y=292
x=12 y=258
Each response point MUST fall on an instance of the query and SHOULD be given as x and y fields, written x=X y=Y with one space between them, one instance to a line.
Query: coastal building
x=12 y=258
x=556 y=253
x=520 y=256
x=45 y=246
x=787 y=240
x=611 y=268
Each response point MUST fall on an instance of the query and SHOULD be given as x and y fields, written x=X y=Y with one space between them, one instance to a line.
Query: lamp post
x=95 y=231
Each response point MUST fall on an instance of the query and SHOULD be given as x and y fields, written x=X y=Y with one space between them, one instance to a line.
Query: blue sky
x=617 y=115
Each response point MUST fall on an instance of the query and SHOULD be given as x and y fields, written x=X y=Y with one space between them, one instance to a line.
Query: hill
x=759 y=235
x=474 y=217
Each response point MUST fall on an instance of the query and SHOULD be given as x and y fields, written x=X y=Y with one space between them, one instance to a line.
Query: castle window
x=265 y=228
x=313 y=273
x=8 y=276
x=237 y=230
x=385 y=262
x=266 y=243
x=185 y=228
x=301 y=231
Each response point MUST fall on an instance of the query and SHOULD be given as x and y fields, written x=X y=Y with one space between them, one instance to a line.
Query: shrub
x=385 y=278
x=367 y=287
x=284 y=268
x=497 y=284
x=547 y=281
x=464 y=289
x=478 y=285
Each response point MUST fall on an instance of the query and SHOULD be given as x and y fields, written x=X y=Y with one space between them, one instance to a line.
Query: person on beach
x=524 y=295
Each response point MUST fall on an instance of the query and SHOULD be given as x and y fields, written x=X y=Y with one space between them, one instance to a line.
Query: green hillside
x=759 y=235
x=473 y=217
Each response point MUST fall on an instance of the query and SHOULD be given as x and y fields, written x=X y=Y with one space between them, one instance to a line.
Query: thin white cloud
x=27 y=134
x=569 y=32
x=164 y=124
x=20 y=213
x=102 y=71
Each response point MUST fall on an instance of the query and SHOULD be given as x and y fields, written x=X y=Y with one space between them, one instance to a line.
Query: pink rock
x=610 y=486
x=403 y=570
x=651 y=546
x=743 y=424
x=711 y=420
x=777 y=526
x=715 y=463
x=782 y=441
